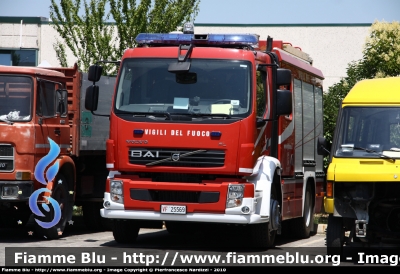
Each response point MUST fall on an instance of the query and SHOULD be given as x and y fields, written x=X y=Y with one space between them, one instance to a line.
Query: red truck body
x=38 y=105
x=213 y=129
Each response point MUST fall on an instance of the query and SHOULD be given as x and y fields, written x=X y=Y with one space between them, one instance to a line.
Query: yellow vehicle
x=363 y=177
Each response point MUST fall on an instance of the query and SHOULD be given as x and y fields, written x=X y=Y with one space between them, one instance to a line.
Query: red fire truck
x=213 y=129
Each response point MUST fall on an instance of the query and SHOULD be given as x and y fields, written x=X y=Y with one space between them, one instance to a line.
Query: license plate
x=3 y=165
x=173 y=209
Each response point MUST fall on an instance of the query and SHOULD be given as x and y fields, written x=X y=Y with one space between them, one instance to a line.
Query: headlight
x=117 y=191
x=235 y=195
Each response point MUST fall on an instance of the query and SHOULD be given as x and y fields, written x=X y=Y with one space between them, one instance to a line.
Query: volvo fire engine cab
x=213 y=129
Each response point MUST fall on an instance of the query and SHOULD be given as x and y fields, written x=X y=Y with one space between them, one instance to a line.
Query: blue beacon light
x=196 y=39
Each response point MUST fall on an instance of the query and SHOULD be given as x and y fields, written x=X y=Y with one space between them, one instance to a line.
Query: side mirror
x=321 y=147
x=284 y=102
x=92 y=98
x=94 y=73
x=283 y=77
x=62 y=98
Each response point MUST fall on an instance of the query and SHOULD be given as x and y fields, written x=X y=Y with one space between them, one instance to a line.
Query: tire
x=334 y=235
x=301 y=227
x=261 y=235
x=93 y=219
x=64 y=198
x=125 y=231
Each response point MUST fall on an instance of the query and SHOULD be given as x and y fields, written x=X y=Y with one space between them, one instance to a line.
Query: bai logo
x=50 y=175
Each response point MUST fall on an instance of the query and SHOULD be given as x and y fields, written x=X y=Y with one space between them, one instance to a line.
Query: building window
x=18 y=57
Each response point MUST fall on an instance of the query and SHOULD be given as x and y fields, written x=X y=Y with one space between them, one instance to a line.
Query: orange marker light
x=329 y=189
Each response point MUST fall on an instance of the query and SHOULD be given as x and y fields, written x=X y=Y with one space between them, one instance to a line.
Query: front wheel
x=92 y=217
x=125 y=231
x=335 y=235
x=62 y=195
x=263 y=235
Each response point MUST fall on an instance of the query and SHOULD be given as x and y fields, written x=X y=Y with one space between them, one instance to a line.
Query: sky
x=256 y=11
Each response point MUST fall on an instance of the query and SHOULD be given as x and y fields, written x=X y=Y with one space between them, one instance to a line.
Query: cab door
x=47 y=121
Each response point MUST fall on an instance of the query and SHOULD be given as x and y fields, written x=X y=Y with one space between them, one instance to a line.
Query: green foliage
x=60 y=53
x=91 y=37
x=381 y=58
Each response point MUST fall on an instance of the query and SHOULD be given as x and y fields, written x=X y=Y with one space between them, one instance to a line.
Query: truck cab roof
x=30 y=70
x=365 y=91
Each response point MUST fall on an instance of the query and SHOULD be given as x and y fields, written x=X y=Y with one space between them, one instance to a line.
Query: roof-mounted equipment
x=176 y=39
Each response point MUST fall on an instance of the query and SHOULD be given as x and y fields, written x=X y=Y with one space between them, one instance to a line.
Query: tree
x=88 y=37
x=381 y=58
x=101 y=35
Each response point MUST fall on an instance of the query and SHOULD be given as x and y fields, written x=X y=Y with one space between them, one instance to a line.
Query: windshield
x=367 y=132
x=211 y=87
x=15 y=98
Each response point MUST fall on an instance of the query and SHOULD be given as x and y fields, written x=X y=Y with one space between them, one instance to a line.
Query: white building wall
x=49 y=37
x=332 y=47
x=19 y=35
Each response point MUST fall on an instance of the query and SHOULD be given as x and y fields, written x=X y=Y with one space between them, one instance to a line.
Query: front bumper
x=329 y=205
x=231 y=215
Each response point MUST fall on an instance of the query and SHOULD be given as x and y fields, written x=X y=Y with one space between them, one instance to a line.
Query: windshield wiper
x=193 y=114
x=376 y=152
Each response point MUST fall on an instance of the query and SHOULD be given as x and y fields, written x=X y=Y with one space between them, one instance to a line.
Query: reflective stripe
x=246 y=170
x=286 y=133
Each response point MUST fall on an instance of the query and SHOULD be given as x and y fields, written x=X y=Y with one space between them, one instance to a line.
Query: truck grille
x=6 y=158
x=204 y=158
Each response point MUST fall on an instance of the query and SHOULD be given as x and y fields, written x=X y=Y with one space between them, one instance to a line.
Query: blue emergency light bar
x=196 y=39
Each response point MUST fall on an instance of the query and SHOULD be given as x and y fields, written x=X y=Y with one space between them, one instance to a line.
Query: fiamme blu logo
x=44 y=180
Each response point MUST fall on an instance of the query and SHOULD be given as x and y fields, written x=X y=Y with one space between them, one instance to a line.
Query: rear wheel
x=301 y=227
x=335 y=235
x=125 y=231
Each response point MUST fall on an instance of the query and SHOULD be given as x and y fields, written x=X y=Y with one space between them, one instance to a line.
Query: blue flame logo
x=50 y=175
